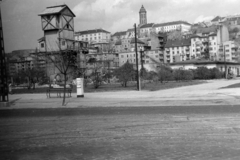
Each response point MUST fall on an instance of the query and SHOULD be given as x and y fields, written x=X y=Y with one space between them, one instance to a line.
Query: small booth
x=79 y=85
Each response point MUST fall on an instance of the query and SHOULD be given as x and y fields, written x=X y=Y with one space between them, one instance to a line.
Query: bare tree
x=66 y=62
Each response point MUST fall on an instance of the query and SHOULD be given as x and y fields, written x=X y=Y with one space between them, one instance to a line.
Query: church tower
x=142 y=16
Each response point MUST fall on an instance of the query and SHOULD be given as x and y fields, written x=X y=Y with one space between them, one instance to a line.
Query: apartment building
x=118 y=36
x=93 y=36
x=228 y=52
x=145 y=30
x=151 y=59
x=177 y=50
x=172 y=26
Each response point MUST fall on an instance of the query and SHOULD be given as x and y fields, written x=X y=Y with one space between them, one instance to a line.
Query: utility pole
x=141 y=51
x=225 y=65
x=136 y=51
x=3 y=67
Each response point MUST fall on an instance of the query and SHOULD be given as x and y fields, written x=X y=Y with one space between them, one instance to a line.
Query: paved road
x=129 y=133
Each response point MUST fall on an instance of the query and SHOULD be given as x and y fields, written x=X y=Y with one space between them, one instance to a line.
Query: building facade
x=177 y=50
x=93 y=36
x=172 y=26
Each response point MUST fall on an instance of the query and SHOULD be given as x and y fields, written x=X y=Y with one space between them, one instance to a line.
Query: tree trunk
x=64 y=90
x=29 y=83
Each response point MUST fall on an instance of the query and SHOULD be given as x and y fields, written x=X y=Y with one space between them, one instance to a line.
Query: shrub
x=216 y=74
x=187 y=75
x=202 y=73
x=181 y=75
x=165 y=73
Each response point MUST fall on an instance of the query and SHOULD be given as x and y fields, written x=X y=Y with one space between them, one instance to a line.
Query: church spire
x=142 y=16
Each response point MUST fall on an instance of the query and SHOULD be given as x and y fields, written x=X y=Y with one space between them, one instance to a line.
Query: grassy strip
x=153 y=86
x=237 y=85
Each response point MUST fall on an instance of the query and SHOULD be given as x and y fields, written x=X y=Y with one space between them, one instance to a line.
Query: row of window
x=203 y=39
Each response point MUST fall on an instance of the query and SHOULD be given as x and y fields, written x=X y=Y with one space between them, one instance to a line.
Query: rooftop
x=178 y=43
x=138 y=41
x=202 y=61
x=119 y=33
x=171 y=23
x=92 y=31
x=55 y=10
x=149 y=25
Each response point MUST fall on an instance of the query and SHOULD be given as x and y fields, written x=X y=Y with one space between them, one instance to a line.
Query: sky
x=22 y=25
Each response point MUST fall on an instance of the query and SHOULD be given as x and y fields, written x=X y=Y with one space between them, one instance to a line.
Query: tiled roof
x=202 y=61
x=41 y=39
x=216 y=19
x=55 y=10
x=149 y=25
x=178 y=43
x=119 y=33
x=195 y=36
x=207 y=30
x=138 y=41
x=131 y=30
x=171 y=23
x=91 y=31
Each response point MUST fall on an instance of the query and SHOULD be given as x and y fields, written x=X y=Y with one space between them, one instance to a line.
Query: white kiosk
x=80 y=90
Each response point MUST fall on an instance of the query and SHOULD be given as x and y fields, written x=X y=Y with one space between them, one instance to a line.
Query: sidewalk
x=198 y=95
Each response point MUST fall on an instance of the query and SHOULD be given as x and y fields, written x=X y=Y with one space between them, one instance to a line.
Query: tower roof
x=55 y=10
x=142 y=10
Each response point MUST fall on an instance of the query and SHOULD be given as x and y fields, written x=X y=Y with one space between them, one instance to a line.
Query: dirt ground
x=177 y=133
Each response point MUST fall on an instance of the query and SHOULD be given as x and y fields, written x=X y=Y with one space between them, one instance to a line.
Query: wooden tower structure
x=3 y=67
x=58 y=26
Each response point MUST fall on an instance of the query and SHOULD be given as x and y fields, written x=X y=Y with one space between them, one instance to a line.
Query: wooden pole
x=136 y=51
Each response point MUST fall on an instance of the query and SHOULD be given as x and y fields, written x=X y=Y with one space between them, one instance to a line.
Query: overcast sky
x=22 y=27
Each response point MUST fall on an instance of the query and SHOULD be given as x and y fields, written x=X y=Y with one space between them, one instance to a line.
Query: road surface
x=121 y=133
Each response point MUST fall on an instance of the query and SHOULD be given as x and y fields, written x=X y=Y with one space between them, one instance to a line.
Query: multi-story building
x=177 y=50
x=227 y=52
x=210 y=39
x=93 y=36
x=171 y=26
x=118 y=36
x=151 y=59
x=145 y=30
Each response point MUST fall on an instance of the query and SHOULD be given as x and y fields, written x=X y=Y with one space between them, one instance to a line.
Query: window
x=122 y=56
x=67 y=26
x=63 y=43
x=42 y=45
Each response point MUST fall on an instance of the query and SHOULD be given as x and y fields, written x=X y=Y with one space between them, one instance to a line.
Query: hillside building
x=93 y=36
x=172 y=26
